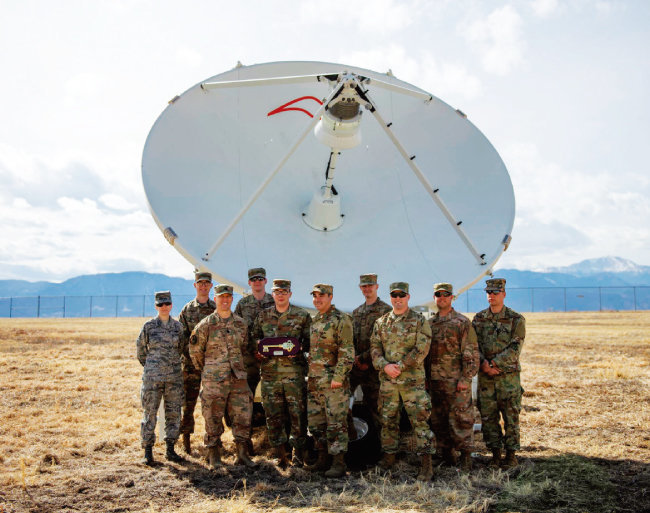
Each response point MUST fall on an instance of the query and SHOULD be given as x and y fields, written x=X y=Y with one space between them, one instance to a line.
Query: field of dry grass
x=70 y=415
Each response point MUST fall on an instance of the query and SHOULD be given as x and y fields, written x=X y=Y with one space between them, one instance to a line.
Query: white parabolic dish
x=213 y=147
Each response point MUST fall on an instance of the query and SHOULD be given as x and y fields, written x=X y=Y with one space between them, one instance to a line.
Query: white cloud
x=545 y=8
x=116 y=202
x=380 y=15
x=498 y=39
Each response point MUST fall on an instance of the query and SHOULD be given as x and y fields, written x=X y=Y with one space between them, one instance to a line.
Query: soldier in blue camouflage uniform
x=451 y=365
x=159 y=349
x=216 y=349
x=331 y=356
x=500 y=332
x=363 y=373
x=248 y=308
x=284 y=391
x=399 y=344
x=191 y=314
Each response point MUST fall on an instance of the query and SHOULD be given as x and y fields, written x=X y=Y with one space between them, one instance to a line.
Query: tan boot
x=510 y=461
x=299 y=457
x=214 y=457
x=242 y=456
x=387 y=461
x=281 y=454
x=187 y=446
x=465 y=460
x=338 y=467
x=320 y=463
x=426 y=471
x=496 y=458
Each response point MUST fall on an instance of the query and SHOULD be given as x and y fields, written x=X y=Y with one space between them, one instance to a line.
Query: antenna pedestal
x=324 y=211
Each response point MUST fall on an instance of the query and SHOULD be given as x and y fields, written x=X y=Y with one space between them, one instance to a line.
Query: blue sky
x=558 y=87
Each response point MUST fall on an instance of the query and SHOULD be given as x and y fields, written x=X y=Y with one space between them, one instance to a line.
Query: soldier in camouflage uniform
x=193 y=312
x=159 y=349
x=364 y=317
x=399 y=344
x=500 y=332
x=451 y=365
x=331 y=357
x=284 y=392
x=216 y=349
x=248 y=308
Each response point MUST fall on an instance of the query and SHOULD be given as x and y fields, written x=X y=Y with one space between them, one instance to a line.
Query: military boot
x=214 y=457
x=320 y=463
x=338 y=467
x=465 y=460
x=496 y=458
x=510 y=461
x=187 y=446
x=449 y=456
x=387 y=461
x=299 y=457
x=426 y=471
x=170 y=454
x=281 y=454
x=242 y=456
x=148 y=456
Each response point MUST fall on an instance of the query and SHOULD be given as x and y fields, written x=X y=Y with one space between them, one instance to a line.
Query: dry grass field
x=70 y=415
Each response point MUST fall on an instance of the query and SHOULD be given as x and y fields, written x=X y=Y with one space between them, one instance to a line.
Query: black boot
x=170 y=454
x=148 y=456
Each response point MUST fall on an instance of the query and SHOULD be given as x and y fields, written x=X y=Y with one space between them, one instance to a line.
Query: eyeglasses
x=166 y=303
x=493 y=292
x=280 y=292
x=442 y=293
x=258 y=278
x=397 y=294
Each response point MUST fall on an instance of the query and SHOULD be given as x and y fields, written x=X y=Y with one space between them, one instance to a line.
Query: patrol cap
x=443 y=286
x=202 y=276
x=495 y=285
x=322 y=288
x=399 y=285
x=368 y=279
x=222 y=289
x=257 y=272
x=281 y=285
x=164 y=296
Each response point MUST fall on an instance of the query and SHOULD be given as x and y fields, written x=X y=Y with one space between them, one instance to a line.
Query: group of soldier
x=309 y=367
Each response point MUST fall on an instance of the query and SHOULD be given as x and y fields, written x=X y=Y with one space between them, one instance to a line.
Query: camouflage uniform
x=331 y=357
x=405 y=340
x=216 y=349
x=159 y=349
x=364 y=318
x=191 y=314
x=500 y=337
x=283 y=377
x=249 y=308
x=453 y=358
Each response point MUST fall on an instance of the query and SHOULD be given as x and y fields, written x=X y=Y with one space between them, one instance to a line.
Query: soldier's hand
x=393 y=370
x=461 y=386
x=259 y=356
x=359 y=364
x=336 y=384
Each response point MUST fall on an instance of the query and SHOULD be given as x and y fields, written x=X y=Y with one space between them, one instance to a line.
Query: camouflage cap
x=281 y=285
x=400 y=285
x=443 y=286
x=322 y=288
x=202 y=276
x=164 y=296
x=368 y=279
x=257 y=272
x=222 y=289
x=495 y=285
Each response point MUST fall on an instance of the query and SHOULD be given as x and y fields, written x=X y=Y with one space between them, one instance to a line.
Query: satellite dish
x=282 y=165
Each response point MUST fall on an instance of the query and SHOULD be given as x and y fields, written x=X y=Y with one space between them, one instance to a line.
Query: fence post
x=64 y=306
x=532 y=299
x=38 y=307
x=600 y=299
x=143 y=302
x=90 y=312
x=634 y=295
x=565 y=299
x=11 y=306
x=116 y=300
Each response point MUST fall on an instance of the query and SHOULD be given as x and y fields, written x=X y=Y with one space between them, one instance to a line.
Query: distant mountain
x=610 y=264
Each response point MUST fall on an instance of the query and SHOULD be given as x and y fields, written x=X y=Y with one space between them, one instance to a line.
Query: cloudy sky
x=560 y=87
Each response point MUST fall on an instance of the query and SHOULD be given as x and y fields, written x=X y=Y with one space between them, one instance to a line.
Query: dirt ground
x=70 y=415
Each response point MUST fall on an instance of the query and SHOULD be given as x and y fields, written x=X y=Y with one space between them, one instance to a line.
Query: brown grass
x=70 y=415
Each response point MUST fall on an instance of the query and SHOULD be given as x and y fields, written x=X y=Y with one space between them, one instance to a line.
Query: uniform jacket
x=500 y=337
x=216 y=347
x=159 y=350
x=331 y=351
x=364 y=318
x=295 y=322
x=402 y=339
x=454 y=351
x=191 y=314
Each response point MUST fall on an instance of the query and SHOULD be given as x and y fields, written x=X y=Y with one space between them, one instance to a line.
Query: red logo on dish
x=287 y=106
